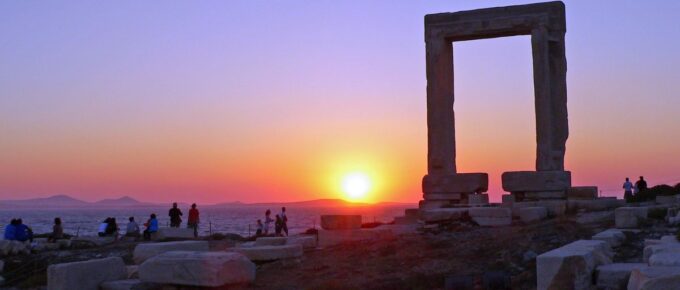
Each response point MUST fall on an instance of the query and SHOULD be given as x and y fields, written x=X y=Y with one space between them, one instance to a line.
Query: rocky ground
x=452 y=254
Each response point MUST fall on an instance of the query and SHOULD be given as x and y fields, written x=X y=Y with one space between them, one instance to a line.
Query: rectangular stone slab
x=582 y=192
x=456 y=183
x=206 y=269
x=340 y=222
x=523 y=181
x=443 y=196
x=85 y=275
x=145 y=251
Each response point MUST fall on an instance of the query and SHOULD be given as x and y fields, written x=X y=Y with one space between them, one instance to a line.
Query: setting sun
x=356 y=185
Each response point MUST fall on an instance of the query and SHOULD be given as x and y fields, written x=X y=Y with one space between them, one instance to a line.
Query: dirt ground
x=452 y=256
x=425 y=260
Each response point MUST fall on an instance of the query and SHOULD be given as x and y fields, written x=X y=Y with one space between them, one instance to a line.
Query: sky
x=261 y=101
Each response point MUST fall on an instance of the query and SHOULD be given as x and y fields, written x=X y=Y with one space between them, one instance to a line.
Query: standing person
x=194 y=219
x=641 y=184
x=23 y=232
x=10 y=230
x=627 y=189
x=284 y=221
x=267 y=220
x=57 y=231
x=278 y=225
x=260 y=227
x=132 y=228
x=151 y=227
x=175 y=216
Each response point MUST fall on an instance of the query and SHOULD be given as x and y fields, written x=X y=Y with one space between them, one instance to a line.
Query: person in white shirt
x=132 y=229
x=627 y=189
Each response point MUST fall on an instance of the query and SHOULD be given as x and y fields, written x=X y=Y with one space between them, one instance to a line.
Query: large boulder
x=614 y=237
x=554 y=207
x=524 y=181
x=205 y=269
x=270 y=241
x=571 y=266
x=630 y=217
x=665 y=259
x=654 y=278
x=532 y=214
x=174 y=233
x=442 y=214
x=271 y=253
x=491 y=216
x=340 y=222
x=456 y=183
x=615 y=276
x=85 y=275
x=145 y=251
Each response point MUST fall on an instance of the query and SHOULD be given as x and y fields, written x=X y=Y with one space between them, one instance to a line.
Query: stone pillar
x=550 y=89
x=441 y=131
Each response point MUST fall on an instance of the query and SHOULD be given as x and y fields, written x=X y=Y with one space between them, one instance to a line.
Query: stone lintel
x=456 y=183
x=537 y=181
x=496 y=22
x=444 y=196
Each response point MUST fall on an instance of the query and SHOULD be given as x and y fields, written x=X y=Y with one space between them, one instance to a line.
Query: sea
x=236 y=220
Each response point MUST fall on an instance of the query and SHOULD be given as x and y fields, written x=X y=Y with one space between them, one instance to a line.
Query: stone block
x=129 y=284
x=330 y=238
x=456 y=183
x=600 y=204
x=554 y=207
x=582 y=192
x=661 y=248
x=613 y=237
x=432 y=204
x=2 y=265
x=145 y=251
x=571 y=266
x=525 y=181
x=174 y=233
x=442 y=214
x=270 y=241
x=654 y=278
x=541 y=195
x=507 y=199
x=271 y=253
x=340 y=222
x=307 y=242
x=532 y=214
x=412 y=212
x=85 y=275
x=491 y=216
x=665 y=259
x=443 y=196
x=630 y=217
x=132 y=271
x=97 y=241
x=205 y=269
x=615 y=276
x=670 y=199
x=478 y=199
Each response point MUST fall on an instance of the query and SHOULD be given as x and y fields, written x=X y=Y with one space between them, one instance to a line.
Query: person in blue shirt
x=23 y=232
x=10 y=230
x=151 y=227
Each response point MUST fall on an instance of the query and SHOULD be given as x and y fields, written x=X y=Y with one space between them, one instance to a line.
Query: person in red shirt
x=193 y=221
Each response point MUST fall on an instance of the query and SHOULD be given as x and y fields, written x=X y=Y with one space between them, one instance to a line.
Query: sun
x=356 y=185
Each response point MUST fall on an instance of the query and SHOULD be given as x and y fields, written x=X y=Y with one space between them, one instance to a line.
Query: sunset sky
x=259 y=101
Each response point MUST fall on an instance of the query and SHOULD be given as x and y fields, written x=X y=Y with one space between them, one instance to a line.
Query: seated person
x=57 y=231
x=132 y=229
x=101 y=231
x=10 y=230
x=151 y=227
x=22 y=232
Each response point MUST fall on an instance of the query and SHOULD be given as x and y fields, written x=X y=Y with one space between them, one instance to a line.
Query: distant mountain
x=64 y=201
x=52 y=201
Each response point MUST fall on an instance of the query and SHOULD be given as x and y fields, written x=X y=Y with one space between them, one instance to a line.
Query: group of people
x=16 y=230
x=280 y=224
x=109 y=227
x=630 y=189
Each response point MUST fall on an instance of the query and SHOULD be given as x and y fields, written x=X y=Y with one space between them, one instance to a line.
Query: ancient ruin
x=546 y=24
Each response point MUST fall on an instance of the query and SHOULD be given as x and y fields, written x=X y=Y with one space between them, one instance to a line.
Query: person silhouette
x=627 y=189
